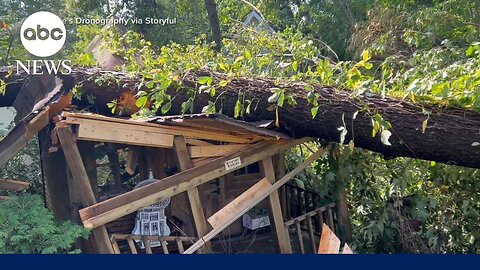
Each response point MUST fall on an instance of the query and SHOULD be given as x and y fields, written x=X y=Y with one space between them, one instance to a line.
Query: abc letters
x=42 y=33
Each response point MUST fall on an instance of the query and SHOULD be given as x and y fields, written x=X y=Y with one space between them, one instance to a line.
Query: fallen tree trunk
x=450 y=137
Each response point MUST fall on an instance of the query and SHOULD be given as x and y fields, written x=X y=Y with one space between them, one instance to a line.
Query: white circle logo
x=43 y=34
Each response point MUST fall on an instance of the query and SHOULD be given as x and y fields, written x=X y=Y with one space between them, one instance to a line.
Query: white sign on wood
x=233 y=163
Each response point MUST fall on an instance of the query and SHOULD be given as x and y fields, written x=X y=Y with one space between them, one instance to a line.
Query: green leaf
x=424 y=125
x=238 y=108
x=166 y=107
x=366 y=56
x=248 y=55
x=314 y=111
x=209 y=109
x=150 y=84
x=281 y=99
x=141 y=102
x=223 y=83
x=295 y=66
x=205 y=80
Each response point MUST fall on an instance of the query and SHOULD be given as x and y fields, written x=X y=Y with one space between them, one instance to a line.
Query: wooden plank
x=132 y=160
x=3 y=198
x=329 y=242
x=237 y=206
x=162 y=129
x=19 y=137
x=185 y=163
x=214 y=150
x=116 y=248
x=133 y=247
x=320 y=220
x=310 y=233
x=181 y=249
x=131 y=201
x=196 y=142
x=148 y=247
x=13 y=185
x=311 y=213
x=275 y=209
x=274 y=187
x=330 y=218
x=82 y=182
x=299 y=236
x=105 y=132
x=347 y=249
x=164 y=247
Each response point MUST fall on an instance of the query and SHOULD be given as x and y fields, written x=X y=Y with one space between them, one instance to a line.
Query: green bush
x=27 y=227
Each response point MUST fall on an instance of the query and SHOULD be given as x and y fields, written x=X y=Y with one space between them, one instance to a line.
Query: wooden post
x=55 y=175
x=276 y=216
x=185 y=163
x=344 y=222
x=82 y=184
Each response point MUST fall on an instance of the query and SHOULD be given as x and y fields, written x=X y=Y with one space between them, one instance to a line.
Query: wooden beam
x=181 y=151
x=132 y=125
x=19 y=137
x=13 y=185
x=196 y=142
x=82 y=183
x=90 y=130
x=132 y=160
x=215 y=150
x=131 y=201
x=275 y=209
x=274 y=187
x=329 y=242
x=244 y=201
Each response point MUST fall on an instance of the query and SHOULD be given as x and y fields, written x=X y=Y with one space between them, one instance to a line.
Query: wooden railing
x=312 y=223
x=165 y=241
x=297 y=201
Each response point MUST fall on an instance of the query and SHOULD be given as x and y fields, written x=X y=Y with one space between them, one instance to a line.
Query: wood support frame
x=82 y=183
x=276 y=216
x=257 y=200
x=185 y=163
x=129 y=202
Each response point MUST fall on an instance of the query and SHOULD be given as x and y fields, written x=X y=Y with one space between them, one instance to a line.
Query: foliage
x=27 y=227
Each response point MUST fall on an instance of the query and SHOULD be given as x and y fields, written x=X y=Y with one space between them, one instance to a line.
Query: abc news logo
x=43 y=34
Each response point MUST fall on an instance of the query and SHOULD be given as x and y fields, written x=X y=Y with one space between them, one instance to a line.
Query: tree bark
x=214 y=23
x=450 y=136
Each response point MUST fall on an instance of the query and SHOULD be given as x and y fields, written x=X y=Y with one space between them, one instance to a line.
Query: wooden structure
x=214 y=169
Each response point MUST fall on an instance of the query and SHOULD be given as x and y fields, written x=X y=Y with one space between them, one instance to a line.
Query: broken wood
x=236 y=207
x=329 y=242
x=274 y=187
x=21 y=134
x=13 y=185
x=111 y=209
x=132 y=160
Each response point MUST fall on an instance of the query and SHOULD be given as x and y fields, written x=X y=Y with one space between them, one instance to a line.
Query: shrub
x=28 y=227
